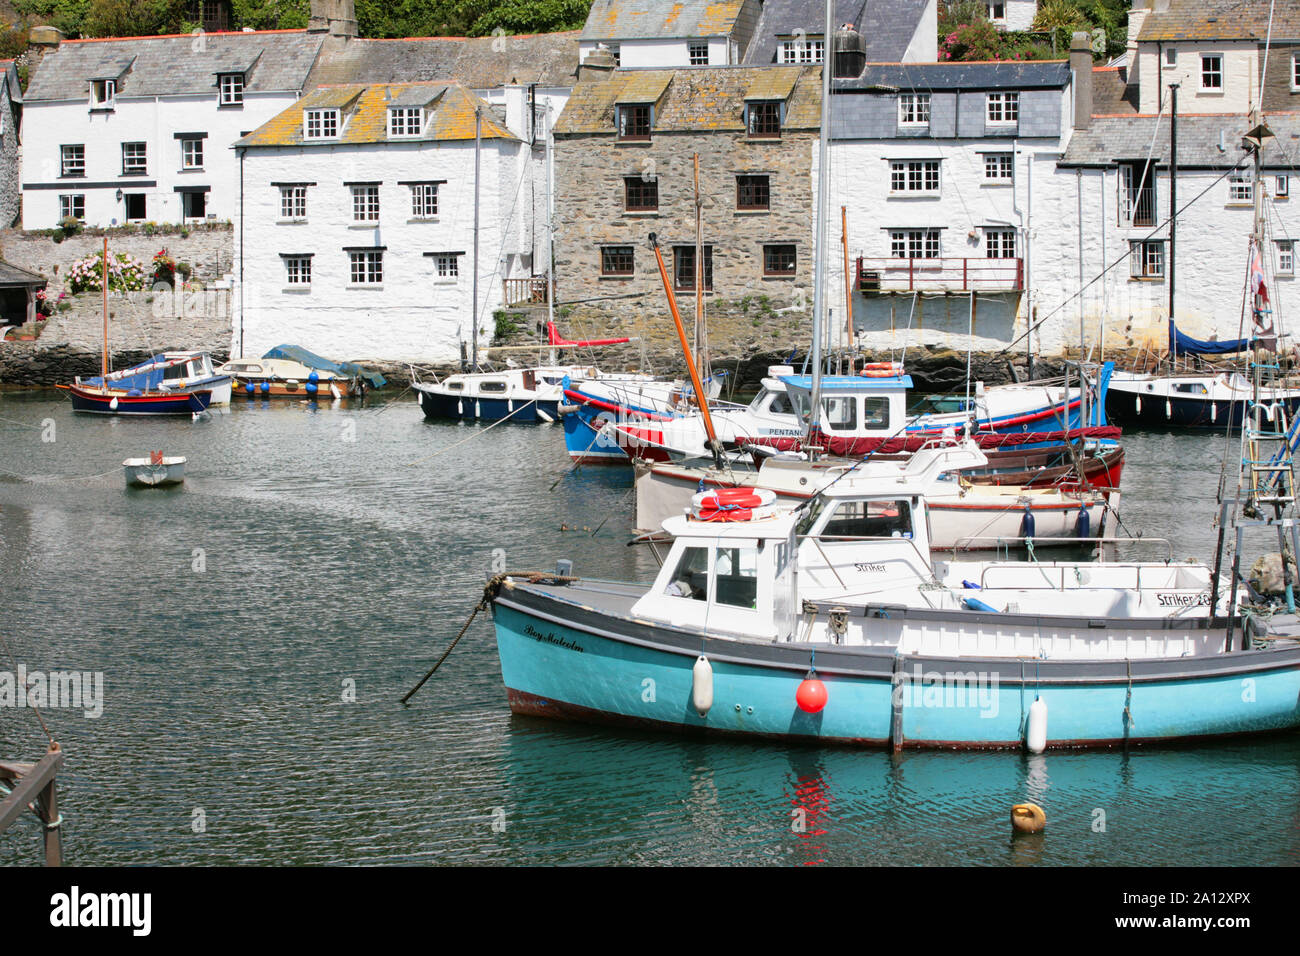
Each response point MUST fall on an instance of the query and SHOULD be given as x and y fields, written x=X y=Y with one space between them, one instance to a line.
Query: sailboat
x=180 y=383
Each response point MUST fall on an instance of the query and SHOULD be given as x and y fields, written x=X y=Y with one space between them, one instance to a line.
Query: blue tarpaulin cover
x=295 y=353
x=1181 y=344
x=148 y=379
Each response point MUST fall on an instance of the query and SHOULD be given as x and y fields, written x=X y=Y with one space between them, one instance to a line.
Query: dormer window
x=1003 y=109
x=914 y=109
x=320 y=124
x=801 y=50
x=763 y=119
x=232 y=89
x=405 y=121
x=102 y=93
x=635 y=121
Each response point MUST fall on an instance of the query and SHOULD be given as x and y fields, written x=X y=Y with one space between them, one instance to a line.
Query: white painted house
x=356 y=239
x=654 y=34
x=138 y=130
x=934 y=164
x=1113 y=185
x=1012 y=15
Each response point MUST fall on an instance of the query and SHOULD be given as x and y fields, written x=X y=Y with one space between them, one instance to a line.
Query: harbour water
x=256 y=627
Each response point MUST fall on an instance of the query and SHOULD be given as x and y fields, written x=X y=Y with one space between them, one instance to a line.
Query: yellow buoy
x=1028 y=818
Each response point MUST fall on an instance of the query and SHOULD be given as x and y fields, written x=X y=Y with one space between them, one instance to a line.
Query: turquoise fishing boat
x=835 y=625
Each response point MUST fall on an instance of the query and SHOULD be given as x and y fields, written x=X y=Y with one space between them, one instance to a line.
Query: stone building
x=11 y=128
x=625 y=151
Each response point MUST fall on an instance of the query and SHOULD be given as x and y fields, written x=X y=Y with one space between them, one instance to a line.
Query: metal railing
x=1137 y=207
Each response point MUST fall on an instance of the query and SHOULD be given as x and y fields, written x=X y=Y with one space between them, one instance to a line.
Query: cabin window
x=454 y=386
x=736 y=577
x=690 y=579
x=875 y=412
x=841 y=414
x=780 y=404
x=492 y=387
x=870 y=519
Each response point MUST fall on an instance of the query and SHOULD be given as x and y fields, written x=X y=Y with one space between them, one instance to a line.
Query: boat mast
x=848 y=283
x=819 y=242
x=103 y=364
x=1173 y=190
x=699 y=273
x=550 y=229
x=478 y=144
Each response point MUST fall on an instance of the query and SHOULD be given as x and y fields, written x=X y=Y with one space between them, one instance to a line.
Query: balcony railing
x=1137 y=207
x=892 y=274
x=530 y=291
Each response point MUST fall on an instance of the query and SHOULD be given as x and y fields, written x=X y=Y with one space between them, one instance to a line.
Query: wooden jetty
x=33 y=785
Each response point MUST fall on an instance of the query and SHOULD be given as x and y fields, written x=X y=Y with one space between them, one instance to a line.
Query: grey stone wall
x=140 y=324
x=10 y=162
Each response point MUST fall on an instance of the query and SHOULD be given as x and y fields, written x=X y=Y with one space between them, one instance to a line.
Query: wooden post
x=35 y=784
x=104 y=358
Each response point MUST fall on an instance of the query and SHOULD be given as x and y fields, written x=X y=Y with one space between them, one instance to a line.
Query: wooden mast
x=848 y=282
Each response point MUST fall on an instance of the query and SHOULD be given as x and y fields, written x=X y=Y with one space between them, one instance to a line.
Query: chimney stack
x=599 y=65
x=1081 y=78
x=338 y=18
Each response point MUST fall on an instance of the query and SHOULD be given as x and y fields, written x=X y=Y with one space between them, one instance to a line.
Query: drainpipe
x=241 y=252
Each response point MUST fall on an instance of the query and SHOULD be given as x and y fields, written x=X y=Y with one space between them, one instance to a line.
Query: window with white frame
x=297 y=270
x=320 y=124
x=367 y=266
x=405 y=121
x=914 y=243
x=1000 y=243
x=997 y=12
x=914 y=176
x=1146 y=259
x=1295 y=72
x=1282 y=188
x=1241 y=188
x=446 y=266
x=1212 y=72
x=102 y=94
x=72 y=160
x=801 y=49
x=365 y=203
x=424 y=200
x=1286 y=257
x=192 y=153
x=1171 y=56
x=135 y=159
x=232 y=89
x=998 y=167
x=698 y=52
x=73 y=206
x=914 y=109
x=1003 y=109
x=293 y=203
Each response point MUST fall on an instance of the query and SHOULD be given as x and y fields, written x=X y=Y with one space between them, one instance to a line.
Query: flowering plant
x=125 y=274
x=164 y=267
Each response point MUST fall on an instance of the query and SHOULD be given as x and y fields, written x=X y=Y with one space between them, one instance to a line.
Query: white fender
x=334 y=391
x=1036 y=736
x=113 y=405
x=702 y=685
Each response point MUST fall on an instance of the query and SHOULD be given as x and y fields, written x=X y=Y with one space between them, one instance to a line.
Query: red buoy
x=811 y=695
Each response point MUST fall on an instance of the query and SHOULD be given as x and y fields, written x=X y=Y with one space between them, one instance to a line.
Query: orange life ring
x=882 y=369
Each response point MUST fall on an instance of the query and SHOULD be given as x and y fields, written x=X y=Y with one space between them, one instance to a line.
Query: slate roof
x=1221 y=20
x=702 y=99
x=657 y=19
x=1117 y=138
x=886 y=25
x=547 y=59
x=1112 y=94
x=151 y=66
x=989 y=75
x=450 y=115
x=13 y=86
x=11 y=275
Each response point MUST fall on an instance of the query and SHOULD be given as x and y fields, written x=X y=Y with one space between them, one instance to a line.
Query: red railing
x=890 y=274
x=530 y=291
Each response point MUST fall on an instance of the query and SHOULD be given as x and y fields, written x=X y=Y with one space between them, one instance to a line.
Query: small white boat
x=154 y=471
